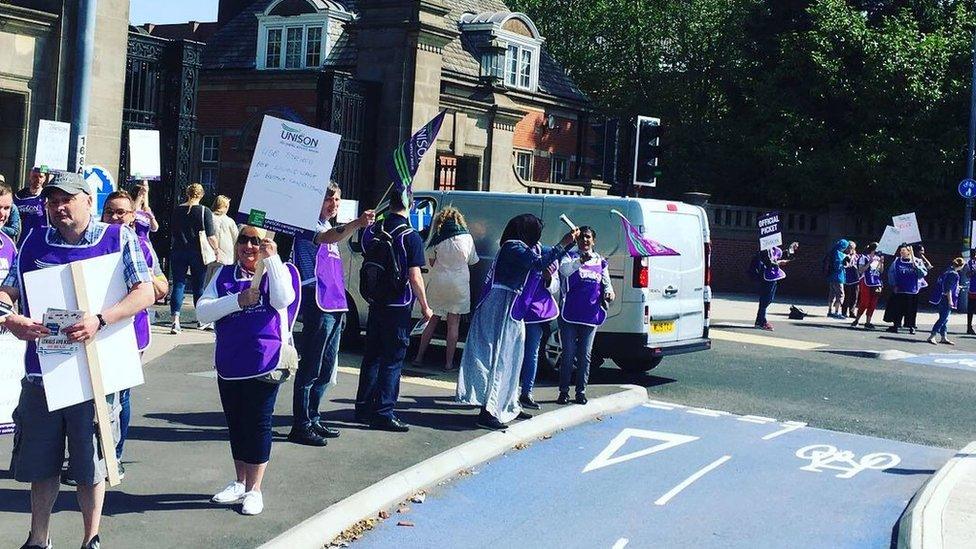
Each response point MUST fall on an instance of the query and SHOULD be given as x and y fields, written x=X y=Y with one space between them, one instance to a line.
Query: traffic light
x=647 y=163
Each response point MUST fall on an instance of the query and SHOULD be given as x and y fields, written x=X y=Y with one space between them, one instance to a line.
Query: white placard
x=890 y=241
x=11 y=372
x=66 y=379
x=144 y=154
x=290 y=173
x=348 y=211
x=52 y=145
x=771 y=241
x=907 y=226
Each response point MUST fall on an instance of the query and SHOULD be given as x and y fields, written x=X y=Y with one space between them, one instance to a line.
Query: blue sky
x=171 y=11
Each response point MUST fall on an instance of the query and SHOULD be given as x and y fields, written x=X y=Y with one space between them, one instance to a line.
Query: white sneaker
x=175 y=328
x=232 y=494
x=209 y=327
x=253 y=503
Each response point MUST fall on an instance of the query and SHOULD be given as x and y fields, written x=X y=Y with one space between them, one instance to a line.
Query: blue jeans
x=318 y=350
x=124 y=416
x=180 y=261
x=248 y=405
x=767 y=291
x=577 y=341
x=530 y=360
x=941 y=326
x=387 y=339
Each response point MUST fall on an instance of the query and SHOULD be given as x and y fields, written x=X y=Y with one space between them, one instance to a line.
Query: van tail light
x=708 y=264
x=642 y=272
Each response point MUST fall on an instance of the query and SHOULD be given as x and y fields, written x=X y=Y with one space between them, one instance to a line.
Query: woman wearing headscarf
x=835 y=278
x=945 y=296
x=903 y=277
x=450 y=253
x=493 y=352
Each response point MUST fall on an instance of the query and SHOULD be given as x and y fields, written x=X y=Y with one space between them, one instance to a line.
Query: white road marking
x=788 y=426
x=663 y=500
x=621 y=543
x=825 y=456
x=708 y=413
x=605 y=457
x=756 y=419
x=658 y=406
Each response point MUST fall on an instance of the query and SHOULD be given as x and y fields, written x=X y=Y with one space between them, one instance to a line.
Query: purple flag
x=640 y=246
x=406 y=158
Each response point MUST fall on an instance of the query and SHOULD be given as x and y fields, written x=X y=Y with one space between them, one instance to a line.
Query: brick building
x=376 y=70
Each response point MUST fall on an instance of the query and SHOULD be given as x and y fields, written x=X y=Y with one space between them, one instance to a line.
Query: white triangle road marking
x=606 y=457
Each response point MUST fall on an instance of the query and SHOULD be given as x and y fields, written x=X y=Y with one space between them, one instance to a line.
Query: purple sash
x=32 y=214
x=249 y=341
x=141 y=321
x=906 y=277
x=36 y=253
x=872 y=277
x=143 y=223
x=774 y=272
x=583 y=298
x=330 y=284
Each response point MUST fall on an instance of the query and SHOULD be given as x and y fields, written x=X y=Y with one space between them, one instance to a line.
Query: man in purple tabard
x=37 y=458
x=30 y=203
x=323 y=318
x=119 y=209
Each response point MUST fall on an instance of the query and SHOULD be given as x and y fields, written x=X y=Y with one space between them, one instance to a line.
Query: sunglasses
x=117 y=212
x=252 y=240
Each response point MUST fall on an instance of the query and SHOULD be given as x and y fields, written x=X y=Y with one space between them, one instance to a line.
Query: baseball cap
x=68 y=182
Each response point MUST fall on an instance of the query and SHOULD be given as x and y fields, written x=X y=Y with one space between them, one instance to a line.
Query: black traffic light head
x=647 y=162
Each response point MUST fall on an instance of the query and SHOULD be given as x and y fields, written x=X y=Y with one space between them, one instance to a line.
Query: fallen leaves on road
x=403 y=509
x=405 y=523
x=354 y=532
x=547 y=437
x=419 y=497
x=384 y=515
x=521 y=445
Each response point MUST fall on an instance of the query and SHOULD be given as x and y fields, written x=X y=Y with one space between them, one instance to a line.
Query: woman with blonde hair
x=145 y=222
x=189 y=220
x=226 y=229
x=450 y=253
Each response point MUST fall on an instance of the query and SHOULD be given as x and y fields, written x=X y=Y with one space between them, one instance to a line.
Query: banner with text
x=52 y=145
x=770 y=234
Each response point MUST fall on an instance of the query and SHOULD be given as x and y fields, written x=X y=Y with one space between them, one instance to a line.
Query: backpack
x=381 y=278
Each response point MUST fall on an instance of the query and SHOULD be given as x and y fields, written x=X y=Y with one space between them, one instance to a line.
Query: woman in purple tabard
x=851 y=280
x=870 y=265
x=253 y=324
x=540 y=309
x=771 y=264
x=145 y=220
x=8 y=248
x=584 y=279
x=30 y=203
x=945 y=296
x=969 y=274
x=903 y=276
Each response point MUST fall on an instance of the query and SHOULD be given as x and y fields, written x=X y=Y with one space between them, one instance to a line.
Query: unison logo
x=296 y=136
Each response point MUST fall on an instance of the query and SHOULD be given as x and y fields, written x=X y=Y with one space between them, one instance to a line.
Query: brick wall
x=532 y=133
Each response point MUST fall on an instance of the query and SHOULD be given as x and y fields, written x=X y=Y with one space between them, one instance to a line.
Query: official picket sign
x=770 y=235
x=290 y=173
x=907 y=226
x=52 y=145
x=144 y=154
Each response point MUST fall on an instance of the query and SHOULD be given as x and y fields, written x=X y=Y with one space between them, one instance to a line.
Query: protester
x=323 y=309
x=869 y=265
x=452 y=252
x=189 y=220
x=945 y=295
x=38 y=456
x=226 y=229
x=145 y=220
x=119 y=210
x=253 y=326
x=30 y=203
x=852 y=279
x=493 y=352
x=970 y=274
x=11 y=225
x=540 y=309
x=586 y=292
x=8 y=248
x=388 y=323
x=835 y=278
x=919 y=251
x=903 y=277
x=771 y=263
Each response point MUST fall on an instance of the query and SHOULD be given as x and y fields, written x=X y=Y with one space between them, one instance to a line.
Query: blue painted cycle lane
x=665 y=475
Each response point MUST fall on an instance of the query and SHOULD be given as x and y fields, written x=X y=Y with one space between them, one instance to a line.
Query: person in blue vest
x=584 y=282
x=388 y=324
x=904 y=275
x=323 y=318
x=30 y=202
x=37 y=458
x=945 y=296
x=771 y=262
x=253 y=323
x=852 y=278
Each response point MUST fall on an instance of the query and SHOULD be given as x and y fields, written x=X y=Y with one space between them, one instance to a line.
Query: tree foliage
x=791 y=103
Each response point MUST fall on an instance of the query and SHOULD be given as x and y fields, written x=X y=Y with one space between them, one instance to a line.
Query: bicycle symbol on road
x=825 y=456
x=960 y=361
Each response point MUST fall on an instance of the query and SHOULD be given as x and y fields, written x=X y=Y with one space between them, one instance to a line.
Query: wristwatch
x=101 y=321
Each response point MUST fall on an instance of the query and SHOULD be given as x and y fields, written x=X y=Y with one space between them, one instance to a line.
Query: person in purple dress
x=903 y=277
x=945 y=296
x=253 y=324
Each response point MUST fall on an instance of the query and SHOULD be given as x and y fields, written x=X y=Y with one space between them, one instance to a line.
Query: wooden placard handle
x=105 y=439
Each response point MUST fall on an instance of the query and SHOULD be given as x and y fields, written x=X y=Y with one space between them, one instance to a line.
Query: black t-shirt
x=412 y=243
x=187 y=223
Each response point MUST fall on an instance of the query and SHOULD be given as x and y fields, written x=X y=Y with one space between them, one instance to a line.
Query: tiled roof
x=235 y=44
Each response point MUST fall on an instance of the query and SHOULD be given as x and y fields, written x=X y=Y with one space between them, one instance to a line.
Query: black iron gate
x=348 y=107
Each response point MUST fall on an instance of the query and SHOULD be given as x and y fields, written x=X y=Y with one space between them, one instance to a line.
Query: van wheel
x=550 y=353
x=636 y=365
x=352 y=337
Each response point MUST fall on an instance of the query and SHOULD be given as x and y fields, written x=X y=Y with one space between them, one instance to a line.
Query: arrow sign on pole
x=967 y=188
x=606 y=457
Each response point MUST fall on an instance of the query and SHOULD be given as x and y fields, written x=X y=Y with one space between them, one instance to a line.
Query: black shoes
x=892 y=329
x=390 y=424
x=524 y=415
x=581 y=398
x=527 y=402
x=563 y=398
x=363 y=417
x=95 y=543
x=490 y=422
x=27 y=546
x=970 y=331
x=306 y=436
x=911 y=331
x=325 y=431
x=868 y=326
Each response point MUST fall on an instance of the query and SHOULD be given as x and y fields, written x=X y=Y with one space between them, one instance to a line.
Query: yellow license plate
x=662 y=327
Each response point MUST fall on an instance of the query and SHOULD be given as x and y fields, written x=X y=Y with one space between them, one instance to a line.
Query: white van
x=662 y=303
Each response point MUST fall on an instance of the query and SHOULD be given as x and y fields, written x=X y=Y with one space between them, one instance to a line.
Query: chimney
x=228 y=9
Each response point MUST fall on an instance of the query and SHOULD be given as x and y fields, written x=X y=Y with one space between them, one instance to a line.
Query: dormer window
x=510 y=42
x=293 y=34
x=520 y=67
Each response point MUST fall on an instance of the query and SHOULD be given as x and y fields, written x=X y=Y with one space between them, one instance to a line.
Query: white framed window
x=523 y=164
x=558 y=170
x=210 y=149
x=208 y=180
x=522 y=63
x=294 y=42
